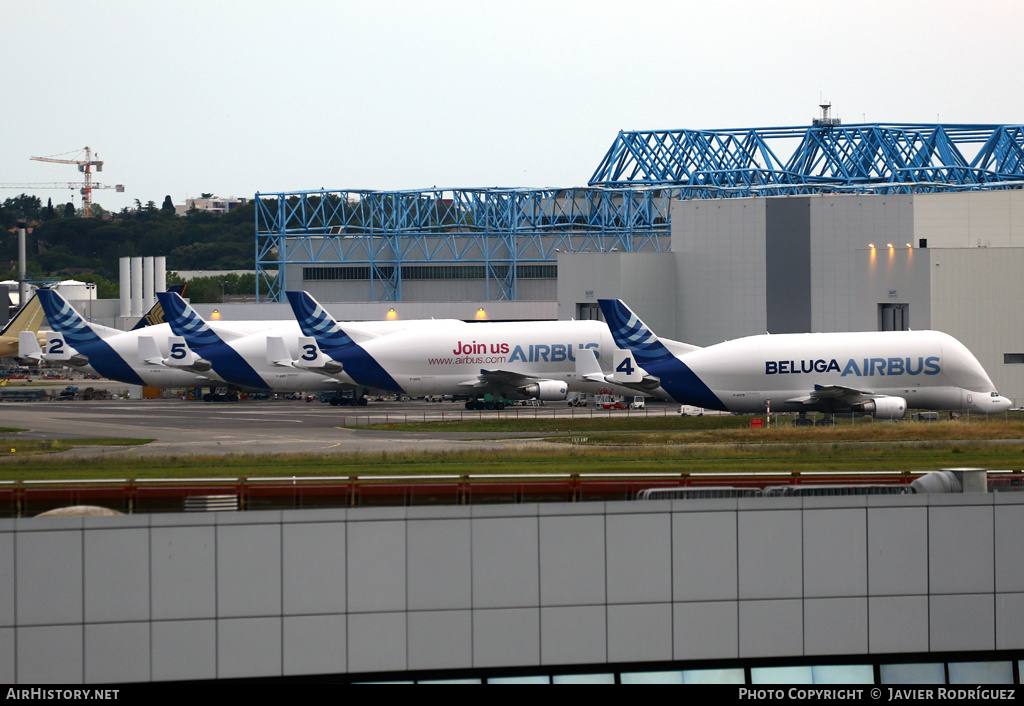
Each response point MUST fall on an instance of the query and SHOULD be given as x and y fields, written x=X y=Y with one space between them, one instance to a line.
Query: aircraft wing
x=505 y=378
x=838 y=393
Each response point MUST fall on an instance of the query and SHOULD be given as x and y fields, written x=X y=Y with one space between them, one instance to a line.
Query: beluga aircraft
x=543 y=360
x=879 y=373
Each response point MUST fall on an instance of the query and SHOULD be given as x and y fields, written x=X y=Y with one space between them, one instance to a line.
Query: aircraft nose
x=1003 y=403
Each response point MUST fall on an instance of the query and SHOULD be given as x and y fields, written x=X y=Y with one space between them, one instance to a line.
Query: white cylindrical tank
x=73 y=290
x=148 y=298
x=160 y=273
x=124 y=276
x=136 y=280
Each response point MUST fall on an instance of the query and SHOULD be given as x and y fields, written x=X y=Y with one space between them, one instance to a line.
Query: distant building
x=213 y=205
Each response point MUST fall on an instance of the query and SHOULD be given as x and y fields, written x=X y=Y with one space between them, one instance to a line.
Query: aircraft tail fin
x=28 y=318
x=631 y=333
x=316 y=322
x=63 y=318
x=156 y=314
x=185 y=322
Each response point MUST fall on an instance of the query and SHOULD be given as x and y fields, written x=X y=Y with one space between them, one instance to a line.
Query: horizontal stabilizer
x=59 y=351
x=149 y=353
x=29 y=350
x=313 y=359
x=277 y=353
x=587 y=367
x=185 y=358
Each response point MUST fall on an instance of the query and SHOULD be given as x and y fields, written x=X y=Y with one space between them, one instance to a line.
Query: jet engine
x=884 y=407
x=548 y=390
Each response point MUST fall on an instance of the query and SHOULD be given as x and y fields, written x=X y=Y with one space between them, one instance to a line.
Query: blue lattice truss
x=626 y=205
x=822 y=159
x=498 y=228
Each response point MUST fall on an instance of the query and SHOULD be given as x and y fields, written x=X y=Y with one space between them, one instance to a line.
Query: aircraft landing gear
x=802 y=420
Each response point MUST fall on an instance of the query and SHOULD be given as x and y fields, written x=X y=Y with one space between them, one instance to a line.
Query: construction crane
x=85 y=166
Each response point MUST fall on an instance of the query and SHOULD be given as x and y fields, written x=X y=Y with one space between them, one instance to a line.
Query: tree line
x=62 y=244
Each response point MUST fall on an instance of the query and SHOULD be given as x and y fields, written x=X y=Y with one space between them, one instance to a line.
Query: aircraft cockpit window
x=995 y=394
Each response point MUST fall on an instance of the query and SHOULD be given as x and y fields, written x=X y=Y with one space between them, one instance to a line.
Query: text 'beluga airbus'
x=880 y=373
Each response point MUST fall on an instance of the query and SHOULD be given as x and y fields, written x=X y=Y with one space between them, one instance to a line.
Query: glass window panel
x=844 y=674
x=533 y=679
x=929 y=673
x=781 y=675
x=714 y=676
x=450 y=681
x=651 y=678
x=583 y=679
x=981 y=672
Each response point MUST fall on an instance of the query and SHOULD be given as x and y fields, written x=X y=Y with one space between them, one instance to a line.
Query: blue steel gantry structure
x=626 y=204
x=822 y=158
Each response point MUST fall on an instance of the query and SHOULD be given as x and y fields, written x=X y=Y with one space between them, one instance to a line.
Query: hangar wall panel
x=973 y=219
x=363 y=590
x=842 y=229
x=788 y=265
x=720 y=251
x=645 y=281
x=976 y=297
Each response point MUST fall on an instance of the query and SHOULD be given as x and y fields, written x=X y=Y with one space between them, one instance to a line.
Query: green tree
x=23 y=206
x=168 y=204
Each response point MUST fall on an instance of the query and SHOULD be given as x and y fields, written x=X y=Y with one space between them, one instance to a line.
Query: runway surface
x=258 y=426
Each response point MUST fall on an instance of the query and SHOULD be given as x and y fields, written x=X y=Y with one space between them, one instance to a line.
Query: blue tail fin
x=203 y=340
x=316 y=322
x=362 y=367
x=63 y=318
x=677 y=379
x=185 y=322
x=79 y=335
x=632 y=334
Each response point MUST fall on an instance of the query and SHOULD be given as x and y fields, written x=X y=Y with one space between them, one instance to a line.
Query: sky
x=233 y=98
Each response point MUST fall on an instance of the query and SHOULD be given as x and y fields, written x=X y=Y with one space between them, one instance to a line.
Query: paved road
x=270 y=426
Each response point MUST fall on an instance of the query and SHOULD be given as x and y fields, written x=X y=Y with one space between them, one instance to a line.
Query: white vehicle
x=577 y=399
x=516 y=360
x=879 y=373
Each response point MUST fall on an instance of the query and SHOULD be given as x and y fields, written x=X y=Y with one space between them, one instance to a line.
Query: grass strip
x=538 y=458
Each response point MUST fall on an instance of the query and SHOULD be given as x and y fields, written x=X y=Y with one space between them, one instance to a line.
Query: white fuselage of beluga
x=929 y=369
x=447 y=359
